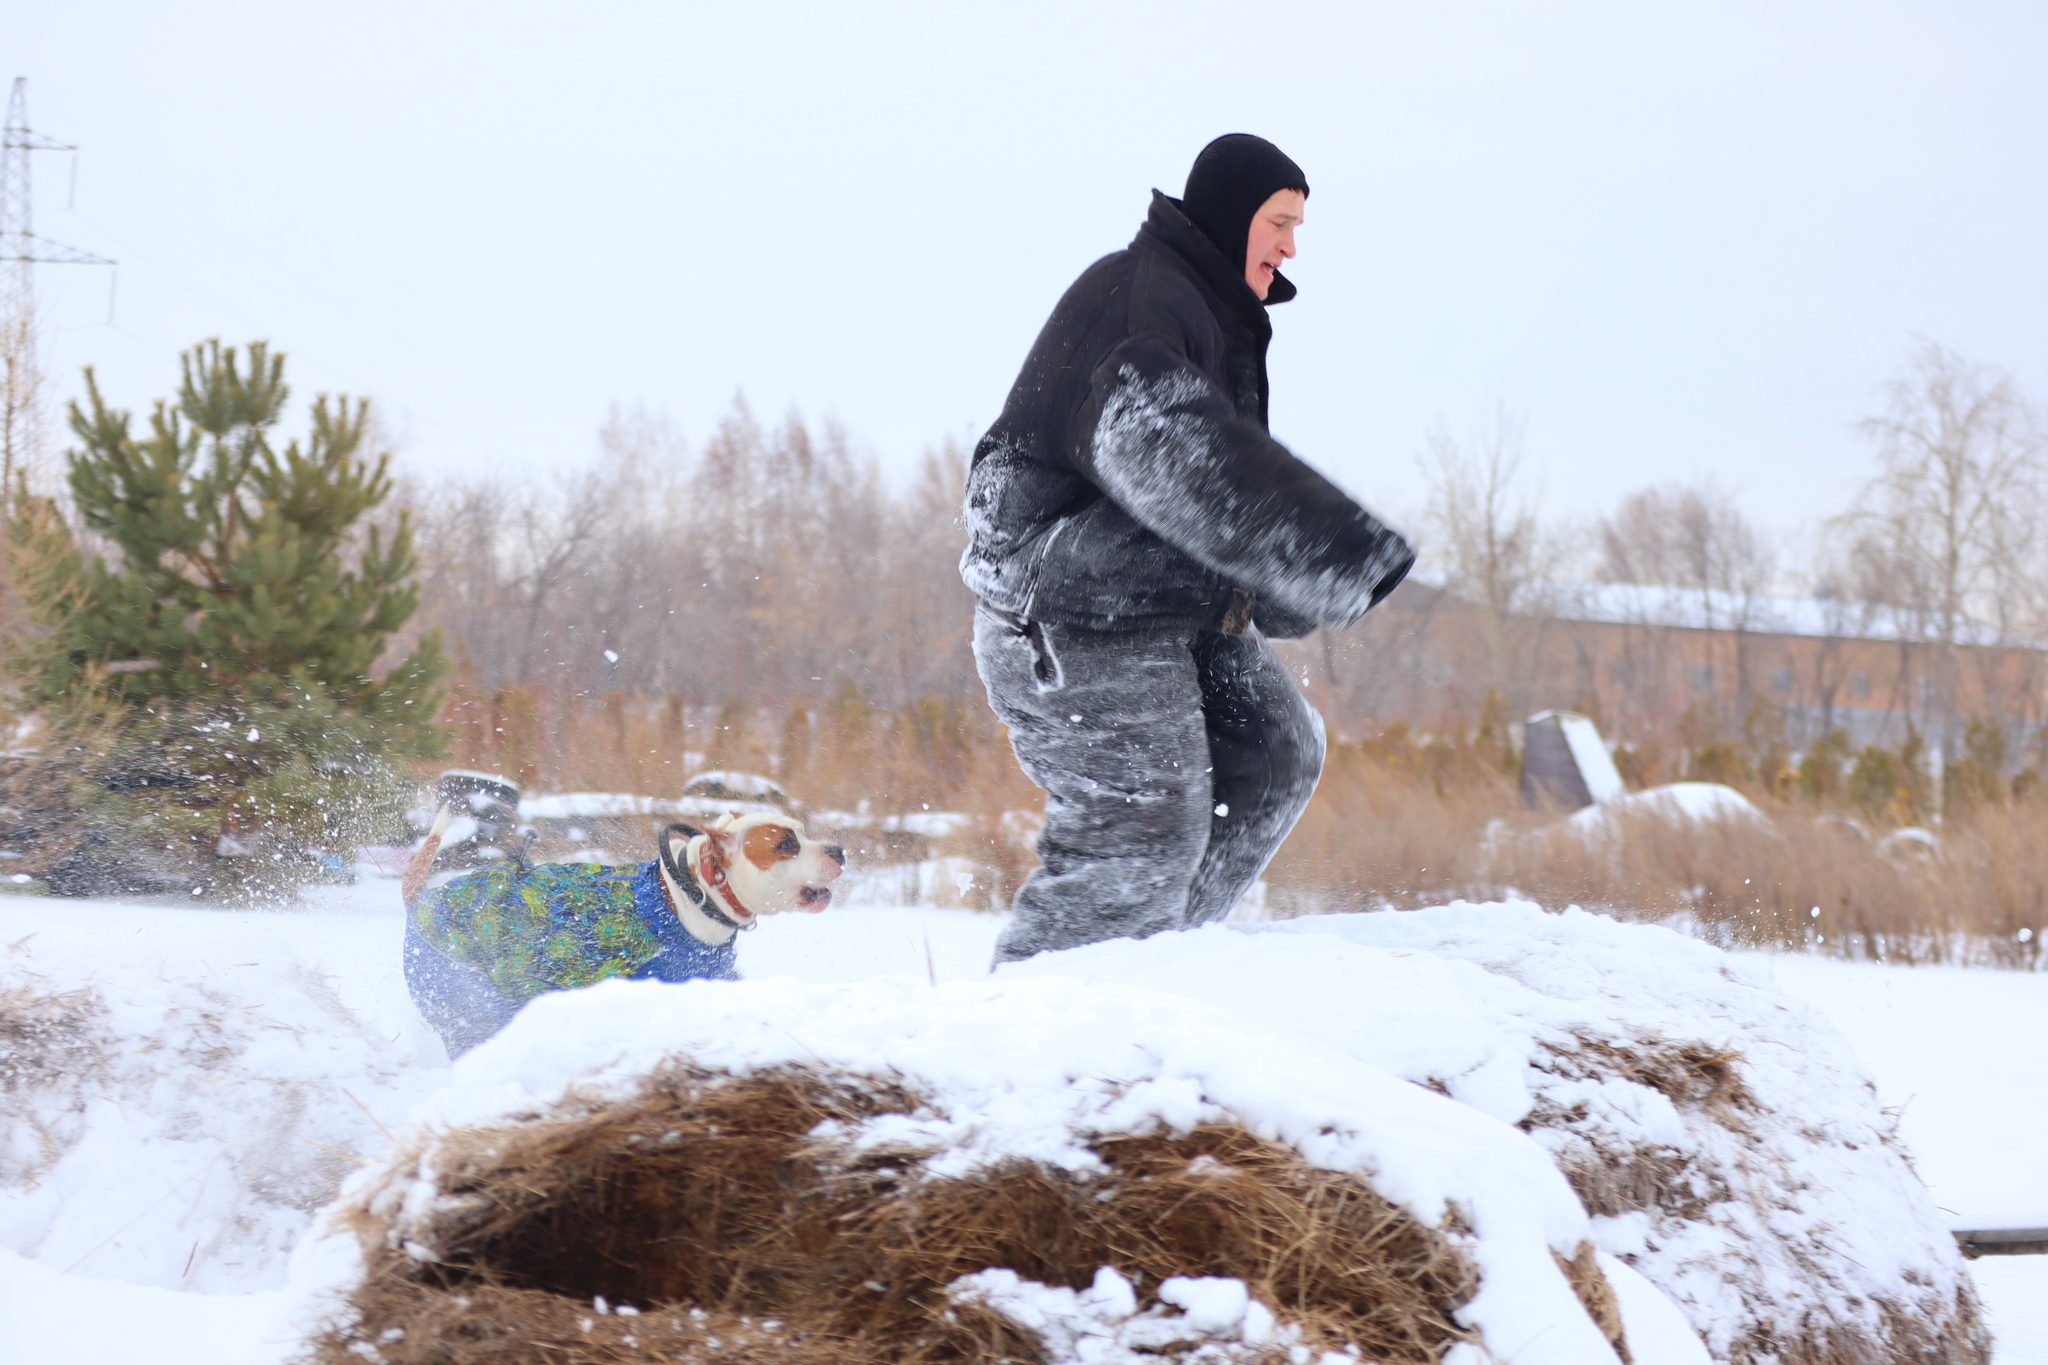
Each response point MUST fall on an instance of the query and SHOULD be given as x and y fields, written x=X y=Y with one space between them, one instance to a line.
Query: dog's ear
x=714 y=859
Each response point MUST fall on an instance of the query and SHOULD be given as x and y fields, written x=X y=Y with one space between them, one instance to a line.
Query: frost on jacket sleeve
x=1170 y=449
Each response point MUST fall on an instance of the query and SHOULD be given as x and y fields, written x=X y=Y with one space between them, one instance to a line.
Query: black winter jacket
x=1130 y=479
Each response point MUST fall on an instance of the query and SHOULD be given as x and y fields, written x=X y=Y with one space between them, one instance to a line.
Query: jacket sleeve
x=1169 y=448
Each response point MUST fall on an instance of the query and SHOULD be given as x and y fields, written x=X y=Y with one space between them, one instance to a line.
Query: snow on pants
x=1174 y=761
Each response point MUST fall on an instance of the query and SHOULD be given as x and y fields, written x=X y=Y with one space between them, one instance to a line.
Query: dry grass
x=1375 y=838
x=47 y=1036
x=1396 y=823
x=928 y=754
x=47 y=1039
x=707 y=1203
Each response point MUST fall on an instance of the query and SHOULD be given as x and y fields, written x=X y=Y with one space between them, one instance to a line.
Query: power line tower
x=21 y=251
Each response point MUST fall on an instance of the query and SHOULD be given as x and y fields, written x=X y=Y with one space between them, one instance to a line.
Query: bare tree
x=1687 y=536
x=1701 y=563
x=770 y=567
x=1946 y=533
x=1491 y=546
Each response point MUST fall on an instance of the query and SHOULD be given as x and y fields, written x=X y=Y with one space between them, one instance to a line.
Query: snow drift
x=1722 y=1135
x=174 y=1128
x=1471 y=1093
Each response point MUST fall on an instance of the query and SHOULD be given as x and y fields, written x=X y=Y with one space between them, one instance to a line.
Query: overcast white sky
x=1677 y=239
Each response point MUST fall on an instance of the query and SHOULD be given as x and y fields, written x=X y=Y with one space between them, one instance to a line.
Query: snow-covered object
x=1722 y=1134
x=175 y=1120
x=1674 y=802
x=1201 y=1320
x=585 y=806
x=723 y=785
x=1647 y=604
x=1208 y=1318
x=1911 y=841
x=1582 y=749
x=1596 y=765
x=1034 y=1069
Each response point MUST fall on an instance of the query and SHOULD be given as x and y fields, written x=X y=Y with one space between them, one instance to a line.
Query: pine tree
x=211 y=649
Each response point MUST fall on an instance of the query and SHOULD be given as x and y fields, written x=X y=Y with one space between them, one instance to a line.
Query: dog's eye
x=789 y=847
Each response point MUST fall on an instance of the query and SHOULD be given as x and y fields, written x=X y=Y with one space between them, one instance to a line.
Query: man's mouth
x=814 y=897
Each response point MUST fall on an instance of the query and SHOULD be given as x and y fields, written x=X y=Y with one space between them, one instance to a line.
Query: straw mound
x=733 y=1226
x=1731 y=1177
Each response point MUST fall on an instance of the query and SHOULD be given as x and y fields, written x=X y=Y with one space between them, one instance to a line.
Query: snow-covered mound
x=1722 y=1134
x=1672 y=803
x=177 y=1129
x=1244 y=1183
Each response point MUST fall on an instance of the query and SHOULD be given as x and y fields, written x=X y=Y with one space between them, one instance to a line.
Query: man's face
x=1272 y=238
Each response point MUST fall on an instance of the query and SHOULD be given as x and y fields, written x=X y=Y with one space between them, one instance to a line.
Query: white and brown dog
x=482 y=944
x=747 y=866
x=719 y=880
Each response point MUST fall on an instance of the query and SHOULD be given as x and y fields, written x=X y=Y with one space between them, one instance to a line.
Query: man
x=1134 y=532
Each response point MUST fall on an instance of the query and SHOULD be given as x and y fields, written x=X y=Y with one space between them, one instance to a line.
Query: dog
x=480 y=945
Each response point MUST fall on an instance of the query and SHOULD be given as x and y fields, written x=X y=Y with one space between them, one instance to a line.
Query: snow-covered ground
x=1957 y=1050
x=1962 y=1053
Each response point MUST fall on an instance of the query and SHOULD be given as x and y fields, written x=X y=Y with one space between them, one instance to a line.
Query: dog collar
x=684 y=880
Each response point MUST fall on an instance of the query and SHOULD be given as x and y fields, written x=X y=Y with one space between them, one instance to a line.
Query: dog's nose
x=836 y=854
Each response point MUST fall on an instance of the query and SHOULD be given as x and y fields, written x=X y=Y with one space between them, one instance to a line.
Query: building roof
x=1708 y=609
x=1642 y=604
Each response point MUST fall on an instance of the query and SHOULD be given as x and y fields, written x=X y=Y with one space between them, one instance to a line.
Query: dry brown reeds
x=926 y=755
x=1803 y=878
x=1396 y=822
x=711 y=1207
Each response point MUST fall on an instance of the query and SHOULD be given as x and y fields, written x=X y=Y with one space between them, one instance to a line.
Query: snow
x=1712 y=609
x=1101 y=1325
x=230 y=1065
x=50 y=1318
x=959 y=883
x=1673 y=801
x=932 y=824
x=1943 y=1042
x=724 y=784
x=586 y=806
x=1654 y=1327
x=1959 y=1052
x=2015 y=1290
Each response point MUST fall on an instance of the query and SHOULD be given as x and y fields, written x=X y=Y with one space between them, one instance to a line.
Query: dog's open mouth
x=814 y=897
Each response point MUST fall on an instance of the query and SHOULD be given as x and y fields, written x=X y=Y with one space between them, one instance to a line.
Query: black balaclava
x=1233 y=176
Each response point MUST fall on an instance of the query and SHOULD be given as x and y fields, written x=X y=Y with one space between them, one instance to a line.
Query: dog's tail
x=422 y=863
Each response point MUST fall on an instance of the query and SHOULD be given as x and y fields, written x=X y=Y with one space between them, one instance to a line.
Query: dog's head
x=768 y=864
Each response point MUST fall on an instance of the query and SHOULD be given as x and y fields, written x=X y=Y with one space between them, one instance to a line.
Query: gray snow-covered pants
x=1174 y=761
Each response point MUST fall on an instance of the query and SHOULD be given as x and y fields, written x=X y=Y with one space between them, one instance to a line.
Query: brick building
x=1651 y=661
